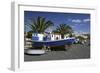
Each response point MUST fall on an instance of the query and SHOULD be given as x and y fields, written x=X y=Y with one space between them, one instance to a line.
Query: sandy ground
x=75 y=52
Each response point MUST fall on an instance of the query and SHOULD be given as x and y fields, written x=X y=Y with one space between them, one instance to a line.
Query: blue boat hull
x=53 y=43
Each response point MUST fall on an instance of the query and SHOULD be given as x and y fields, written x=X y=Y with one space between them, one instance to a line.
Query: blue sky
x=78 y=21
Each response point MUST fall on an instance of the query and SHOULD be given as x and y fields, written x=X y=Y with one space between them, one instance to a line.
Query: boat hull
x=53 y=43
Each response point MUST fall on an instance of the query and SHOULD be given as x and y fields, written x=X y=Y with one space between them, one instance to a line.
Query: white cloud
x=79 y=20
x=86 y=20
x=76 y=20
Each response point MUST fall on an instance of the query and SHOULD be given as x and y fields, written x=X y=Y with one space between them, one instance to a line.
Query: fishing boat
x=38 y=40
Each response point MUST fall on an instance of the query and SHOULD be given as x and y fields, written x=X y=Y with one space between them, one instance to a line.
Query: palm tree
x=63 y=29
x=39 y=25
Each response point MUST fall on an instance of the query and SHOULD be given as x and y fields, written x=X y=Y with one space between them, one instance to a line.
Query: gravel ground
x=74 y=52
